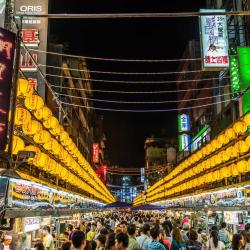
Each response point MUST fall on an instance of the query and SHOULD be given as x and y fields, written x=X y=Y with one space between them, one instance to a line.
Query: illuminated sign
x=31 y=224
x=234 y=73
x=7 y=49
x=183 y=123
x=95 y=153
x=244 y=63
x=184 y=142
x=214 y=39
x=2 y=12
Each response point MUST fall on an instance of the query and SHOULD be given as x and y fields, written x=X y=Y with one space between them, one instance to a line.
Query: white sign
x=31 y=224
x=183 y=123
x=2 y=12
x=214 y=39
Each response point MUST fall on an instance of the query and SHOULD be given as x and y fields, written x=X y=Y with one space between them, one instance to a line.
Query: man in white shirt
x=48 y=239
x=144 y=239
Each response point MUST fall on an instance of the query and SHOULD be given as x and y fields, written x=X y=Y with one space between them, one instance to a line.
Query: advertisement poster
x=214 y=40
x=7 y=52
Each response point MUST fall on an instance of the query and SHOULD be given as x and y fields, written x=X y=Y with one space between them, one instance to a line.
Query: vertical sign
x=142 y=175
x=95 y=153
x=234 y=73
x=184 y=142
x=244 y=68
x=34 y=35
x=183 y=123
x=2 y=12
x=7 y=49
x=214 y=40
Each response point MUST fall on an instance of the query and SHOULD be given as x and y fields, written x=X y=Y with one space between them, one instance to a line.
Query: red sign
x=95 y=153
x=33 y=82
x=30 y=37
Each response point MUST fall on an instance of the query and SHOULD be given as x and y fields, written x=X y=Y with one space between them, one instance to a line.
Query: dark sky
x=129 y=39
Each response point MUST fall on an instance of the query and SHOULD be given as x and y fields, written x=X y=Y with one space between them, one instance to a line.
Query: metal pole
x=13 y=98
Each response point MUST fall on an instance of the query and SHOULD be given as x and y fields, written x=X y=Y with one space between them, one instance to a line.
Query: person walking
x=237 y=242
x=193 y=243
x=121 y=241
x=225 y=236
x=144 y=239
x=214 y=242
x=48 y=239
x=177 y=240
x=155 y=243
x=133 y=244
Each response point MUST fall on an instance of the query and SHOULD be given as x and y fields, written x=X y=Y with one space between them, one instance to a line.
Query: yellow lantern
x=242 y=166
x=46 y=113
x=17 y=145
x=42 y=137
x=52 y=122
x=49 y=145
x=235 y=171
x=24 y=88
x=248 y=165
x=56 y=130
x=230 y=134
x=248 y=141
x=246 y=119
x=43 y=161
x=33 y=102
x=22 y=116
x=243 y=147
x=31 y=128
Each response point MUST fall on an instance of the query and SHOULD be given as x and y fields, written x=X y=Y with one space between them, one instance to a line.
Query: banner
x=95 y=153
x=7 y=52
x=214 y=40
x=34 y=35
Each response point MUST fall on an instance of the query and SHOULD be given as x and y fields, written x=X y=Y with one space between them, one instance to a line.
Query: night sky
x=129 y=39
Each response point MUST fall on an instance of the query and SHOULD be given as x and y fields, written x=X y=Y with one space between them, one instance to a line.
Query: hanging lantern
x=46 y=113
x=235 y=171
x=24 y=88
x=56 y=130
x=32 y=127
x=246 y=119
x=230 y=134
x=242 y=166
x=242 y=147
x=248 y=141
x=22 y=116
x=52 y=122
x=33 y=102
x=42 y=137
x=225 y=156
x=43 y=161
x=17 y=144
x=49 y=145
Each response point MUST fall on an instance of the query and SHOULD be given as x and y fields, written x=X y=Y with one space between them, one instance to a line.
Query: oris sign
x=31 y=7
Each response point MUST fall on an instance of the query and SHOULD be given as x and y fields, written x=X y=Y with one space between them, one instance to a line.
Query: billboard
x=183 y=123
x=7 y=52
x=214 y=40
x=95 y=153
x=2 y=12
x=34 y=36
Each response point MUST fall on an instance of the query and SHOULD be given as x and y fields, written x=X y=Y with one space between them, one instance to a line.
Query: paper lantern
x=56 y=130
x=46 y=113
x=246 y=119
x=17 y=145
x=64 y=136
x=248 y=141
x=242 y=147
x=42 y=137
x=32 y=127
x=52 y=122
x=43 y=161
x=33 y=102
x=235 y=171
x=22 y=116
x=242 y=166
x=49 y=145
x=24 y=88
x=230 y=133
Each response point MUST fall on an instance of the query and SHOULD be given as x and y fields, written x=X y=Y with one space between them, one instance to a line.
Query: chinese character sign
x=183 y=123
x=95 y=153
x=214 y=39
x=184 y=142
x=7 y=49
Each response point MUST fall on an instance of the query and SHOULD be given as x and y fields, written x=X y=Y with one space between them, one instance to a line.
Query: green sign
x=244 y=63
x=234 y=73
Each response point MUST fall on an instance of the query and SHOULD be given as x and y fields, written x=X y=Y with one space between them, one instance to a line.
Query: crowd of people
x=126 y=231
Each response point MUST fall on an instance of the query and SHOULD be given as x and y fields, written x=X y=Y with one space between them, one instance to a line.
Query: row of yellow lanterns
x=43 y=162
x=41 y=136
x=238 y=128
x=239 y=148
x=232 y=170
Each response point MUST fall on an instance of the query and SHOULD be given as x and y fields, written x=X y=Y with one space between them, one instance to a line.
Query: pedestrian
x=247 y=236
x=91 y=234
x=177 y=241
x=133 y=244
x=237 y=242
x=110 y=243
x=155 y=243
x=70 y=231
x=225 y=236
x=39 y=246
x=214 y=242
x=192 y=243
x=185 y=231
x=78 y=240
x=66 y=246
x=144 y=239
x=123 y=226
x=164 y=240
x=121 y=241
x=48 y=239
x=100 y=242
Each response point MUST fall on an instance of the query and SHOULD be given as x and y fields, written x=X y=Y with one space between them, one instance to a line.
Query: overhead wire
x=138 y=92
x=144 y=102
x=142 y=110
x=137 y=82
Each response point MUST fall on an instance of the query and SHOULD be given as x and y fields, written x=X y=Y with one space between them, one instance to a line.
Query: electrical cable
x=142 y=110
x=117 y=59
x=121 y=73
x=136 y=82
x=138 y=92
x=143 y=102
